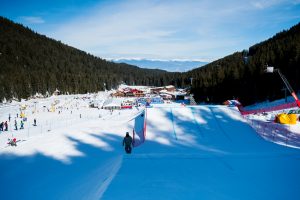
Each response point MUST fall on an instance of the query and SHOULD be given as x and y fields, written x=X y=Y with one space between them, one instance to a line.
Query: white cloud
x=263 y=4
x=33 y=20
x=164 y=29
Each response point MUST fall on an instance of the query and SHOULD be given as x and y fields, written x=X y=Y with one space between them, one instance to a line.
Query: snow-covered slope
x=200 y=152
x=210 y=154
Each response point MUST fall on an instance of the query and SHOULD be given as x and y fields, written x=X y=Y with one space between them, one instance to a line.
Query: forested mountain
x=30 y=63
x=241 y=75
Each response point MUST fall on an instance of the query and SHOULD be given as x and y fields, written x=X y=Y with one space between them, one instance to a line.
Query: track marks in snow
x=172 y=118
x=219 y=125
x=109 y=172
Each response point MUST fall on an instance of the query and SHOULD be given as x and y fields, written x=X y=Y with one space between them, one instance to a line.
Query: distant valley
x=168 y=65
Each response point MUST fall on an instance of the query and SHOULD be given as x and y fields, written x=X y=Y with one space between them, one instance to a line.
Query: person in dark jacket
x=6 y=126
x=127 y=141
x=1 y=126
x=16 y=125
x=22 y=125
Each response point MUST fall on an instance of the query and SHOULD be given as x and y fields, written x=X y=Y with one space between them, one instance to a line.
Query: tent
x=112 y=106
x=52 y=109
x=22 y=115
x=23 y=107
x=232 y=103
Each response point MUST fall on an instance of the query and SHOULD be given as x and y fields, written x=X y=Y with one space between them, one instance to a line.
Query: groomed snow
x=198 y=152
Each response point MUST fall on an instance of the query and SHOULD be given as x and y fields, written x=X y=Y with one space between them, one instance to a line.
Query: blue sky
x=202 y=30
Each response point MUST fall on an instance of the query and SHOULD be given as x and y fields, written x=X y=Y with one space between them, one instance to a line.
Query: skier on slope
x=127 y=141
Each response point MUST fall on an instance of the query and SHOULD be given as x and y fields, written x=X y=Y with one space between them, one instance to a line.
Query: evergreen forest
x=31 y=63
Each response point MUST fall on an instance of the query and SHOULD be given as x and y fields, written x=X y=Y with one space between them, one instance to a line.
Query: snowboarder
x=34 y=122
x=127 y=141
x=9 y=117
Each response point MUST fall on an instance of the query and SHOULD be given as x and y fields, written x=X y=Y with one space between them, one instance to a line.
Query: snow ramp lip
x=261 y=155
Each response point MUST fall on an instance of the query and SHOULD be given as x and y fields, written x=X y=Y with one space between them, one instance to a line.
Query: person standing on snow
x=22 y=125
x=16 y=124
x=127 y=141
x=1 y=126
x=6 y=126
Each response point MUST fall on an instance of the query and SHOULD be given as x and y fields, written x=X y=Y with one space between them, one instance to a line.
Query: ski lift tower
x=271 y=69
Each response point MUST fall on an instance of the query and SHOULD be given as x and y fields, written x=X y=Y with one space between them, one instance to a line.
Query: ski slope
x=200 y=152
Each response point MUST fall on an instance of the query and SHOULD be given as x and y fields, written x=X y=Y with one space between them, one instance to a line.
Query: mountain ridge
x=171 y=65
x=32 y=63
